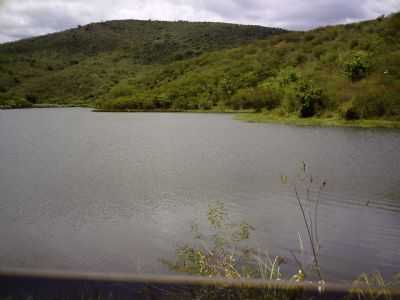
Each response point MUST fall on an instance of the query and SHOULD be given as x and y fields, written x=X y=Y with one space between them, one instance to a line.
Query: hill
x=348 y=71
x=351 y=71
x=82 y=64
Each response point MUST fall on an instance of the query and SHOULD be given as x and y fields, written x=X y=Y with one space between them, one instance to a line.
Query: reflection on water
x=116 y=192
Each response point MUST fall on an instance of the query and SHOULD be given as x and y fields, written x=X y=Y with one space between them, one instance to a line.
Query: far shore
x=331 y=121
x=252 y=117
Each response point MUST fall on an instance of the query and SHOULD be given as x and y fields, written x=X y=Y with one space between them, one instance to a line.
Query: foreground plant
x=311 y=188
x=222 y=252
x=373 y=286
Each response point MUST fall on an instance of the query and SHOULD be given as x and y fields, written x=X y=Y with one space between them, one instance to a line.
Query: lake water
x=117 y=192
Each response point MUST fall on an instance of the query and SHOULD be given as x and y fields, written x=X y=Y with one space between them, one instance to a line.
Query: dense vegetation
x=87 y=63
x=351 y=71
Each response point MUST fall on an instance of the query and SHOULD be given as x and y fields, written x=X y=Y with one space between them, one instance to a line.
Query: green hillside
x=82 y=64
x=347 y=71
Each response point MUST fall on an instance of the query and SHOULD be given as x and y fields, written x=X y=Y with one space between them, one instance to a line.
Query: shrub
x=310 y=99
x=349 y=112
x=205 y=104
x=354 y=44
x=329 y=58
x=15 y=103
x=287 y=76
x=300 y=95
x=31 y=98
x=357 y=66
x=377 y=103
x=218 y=258
x=369 y=105
x=309 y=37
x=122 y=104
x=257 y=98
x=318 y=52
x=121 y=90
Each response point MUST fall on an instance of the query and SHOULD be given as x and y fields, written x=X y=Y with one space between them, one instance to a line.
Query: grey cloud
x=294 y=14
x=25 y=18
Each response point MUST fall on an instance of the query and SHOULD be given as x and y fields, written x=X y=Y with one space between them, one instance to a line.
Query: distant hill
x=144 y=41
x=348 y=70
x=83 y=63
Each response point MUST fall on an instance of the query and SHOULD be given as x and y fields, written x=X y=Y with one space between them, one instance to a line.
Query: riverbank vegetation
x=327 y=120
x=223 y=250
x=336 y=73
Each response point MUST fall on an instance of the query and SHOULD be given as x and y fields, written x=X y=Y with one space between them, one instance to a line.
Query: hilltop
x=348 y=71
x=83 y=63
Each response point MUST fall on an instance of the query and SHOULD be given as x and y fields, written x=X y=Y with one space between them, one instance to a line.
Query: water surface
x=115 y=192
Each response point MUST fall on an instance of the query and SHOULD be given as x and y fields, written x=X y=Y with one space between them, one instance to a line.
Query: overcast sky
x=26 y=18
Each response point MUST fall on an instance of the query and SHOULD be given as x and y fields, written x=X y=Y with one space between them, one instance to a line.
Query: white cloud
x=25 y=18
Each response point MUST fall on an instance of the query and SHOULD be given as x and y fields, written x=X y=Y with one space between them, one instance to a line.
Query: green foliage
x=392 y=30
x=349 y=112
x=257 y=98
x=31 y=98
x=121 y=90
x=309 y=98
x=181 y=66
x=357 y=66
x=223 y=254
x=298 y=94
x=14 y=103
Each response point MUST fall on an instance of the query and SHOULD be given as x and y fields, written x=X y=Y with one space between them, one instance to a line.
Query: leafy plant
x=310 y=99
x=357 y=66
x=222 y=253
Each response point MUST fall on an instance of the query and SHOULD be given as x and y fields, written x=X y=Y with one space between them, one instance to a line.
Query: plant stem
x=309 y=234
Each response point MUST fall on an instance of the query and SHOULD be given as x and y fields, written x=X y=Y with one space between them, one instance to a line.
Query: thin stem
x=309 y=233
x=316 y=216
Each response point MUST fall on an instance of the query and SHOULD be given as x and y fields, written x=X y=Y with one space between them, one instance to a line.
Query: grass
x=333 y=121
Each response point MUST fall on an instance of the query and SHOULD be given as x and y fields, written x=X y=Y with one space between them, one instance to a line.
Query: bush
x=121 y=90
x=349 y=112
x=31 y=98
x=122 y=104
x=257 y=98
x=299 y=94
x=375 y=104
x=15 y=103
x=369 y=106
x=288 y=76
x=357 y=66
x=310 y=99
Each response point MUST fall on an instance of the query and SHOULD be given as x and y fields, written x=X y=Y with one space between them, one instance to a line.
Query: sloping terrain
x=83 y=63
x=352 y=71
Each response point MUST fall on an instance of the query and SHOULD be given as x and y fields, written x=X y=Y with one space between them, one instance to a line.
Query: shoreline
x=317 y=121
x=252 y=117
x=46 y=105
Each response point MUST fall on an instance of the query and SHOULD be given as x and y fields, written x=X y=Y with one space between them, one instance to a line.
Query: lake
x=117 y=192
